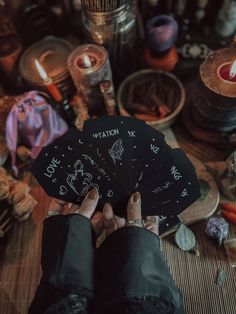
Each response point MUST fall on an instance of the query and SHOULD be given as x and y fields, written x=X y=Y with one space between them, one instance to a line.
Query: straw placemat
x=196 y=275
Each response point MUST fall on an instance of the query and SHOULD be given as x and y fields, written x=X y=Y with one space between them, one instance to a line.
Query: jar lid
x=52 y=53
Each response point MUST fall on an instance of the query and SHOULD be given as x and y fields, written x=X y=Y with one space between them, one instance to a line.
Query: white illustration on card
x=140 y=176
x=139 y=179
x=184 y=193
x=162 y=187
x=85 y=177
x=165 y=202
x=110 y=193
x=98 y=153
x=155 y=148
x=131 y=133
x=89 y=158
x=174 y=171
x=95 y=165
x=160 y=218
x=63 y=190
x=116 y=151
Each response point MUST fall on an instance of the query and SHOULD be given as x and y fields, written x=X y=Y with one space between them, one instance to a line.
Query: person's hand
x=87 y=209
x=151 y=224
x=111 y=222
x=134 y=217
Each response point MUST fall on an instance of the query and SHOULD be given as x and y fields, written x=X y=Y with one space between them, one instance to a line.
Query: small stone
x=221 y=277
x=185 y=238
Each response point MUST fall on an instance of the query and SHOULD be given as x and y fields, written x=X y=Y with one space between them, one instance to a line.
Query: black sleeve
x=67 y=261
x=131 y=265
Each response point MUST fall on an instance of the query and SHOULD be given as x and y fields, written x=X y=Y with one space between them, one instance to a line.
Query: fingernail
x=108 y=212
x=93 y=194
x=136 y=197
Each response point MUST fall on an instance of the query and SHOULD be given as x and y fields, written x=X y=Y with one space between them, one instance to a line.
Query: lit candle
x=89 y=66
x=227 y=71
x=48 y=82
x=85 y=61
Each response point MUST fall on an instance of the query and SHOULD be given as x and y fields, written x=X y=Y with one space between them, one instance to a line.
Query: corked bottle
x=112 y=24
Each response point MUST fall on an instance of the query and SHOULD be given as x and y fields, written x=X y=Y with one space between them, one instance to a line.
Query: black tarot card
x=69 y=175
x=166 y=223
x=174 y=188
x=114 y=138
x=127 y=138
x=118 y=156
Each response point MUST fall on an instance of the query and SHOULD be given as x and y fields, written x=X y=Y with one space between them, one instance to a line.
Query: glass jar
x=116 y=30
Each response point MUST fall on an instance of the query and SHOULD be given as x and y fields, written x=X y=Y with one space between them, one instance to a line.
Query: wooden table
x=20 y=269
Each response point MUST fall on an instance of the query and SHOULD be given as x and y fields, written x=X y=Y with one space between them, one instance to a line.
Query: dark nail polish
x=93 y=194
x=136 y=197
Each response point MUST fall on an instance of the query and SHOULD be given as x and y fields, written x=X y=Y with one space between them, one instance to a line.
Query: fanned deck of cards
x=119 y=156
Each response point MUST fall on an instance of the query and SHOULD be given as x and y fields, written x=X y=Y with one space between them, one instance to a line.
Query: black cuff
x=68 y=251
x=68 y=246
x=130 y=264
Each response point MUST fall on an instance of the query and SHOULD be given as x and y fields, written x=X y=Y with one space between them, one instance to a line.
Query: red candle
x=48 y=82
x=227 y=72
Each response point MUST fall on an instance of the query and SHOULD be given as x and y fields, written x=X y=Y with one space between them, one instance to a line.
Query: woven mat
x=195 y=276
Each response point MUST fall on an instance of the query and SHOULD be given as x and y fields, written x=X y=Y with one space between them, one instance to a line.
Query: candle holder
x=210 y=113
x=89 y=66
x=216 y=72
x=52 y=53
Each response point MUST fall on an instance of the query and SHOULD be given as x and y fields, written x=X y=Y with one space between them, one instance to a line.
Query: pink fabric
x=34 y=123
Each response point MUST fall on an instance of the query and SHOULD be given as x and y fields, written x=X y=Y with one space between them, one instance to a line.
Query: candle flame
x=87 y=62
x=232 y=71
x=41 y=70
